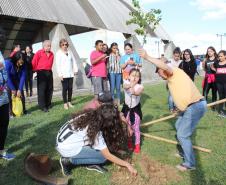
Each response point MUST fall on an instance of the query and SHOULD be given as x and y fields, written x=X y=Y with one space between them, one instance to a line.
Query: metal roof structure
x=29 y=21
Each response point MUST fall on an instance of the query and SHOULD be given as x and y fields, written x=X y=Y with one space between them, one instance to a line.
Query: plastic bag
x=17 y=106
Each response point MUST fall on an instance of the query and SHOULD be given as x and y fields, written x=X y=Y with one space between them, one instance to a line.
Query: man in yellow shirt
x=188 y=100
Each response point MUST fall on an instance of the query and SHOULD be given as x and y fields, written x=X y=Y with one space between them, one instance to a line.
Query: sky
x=191 y=24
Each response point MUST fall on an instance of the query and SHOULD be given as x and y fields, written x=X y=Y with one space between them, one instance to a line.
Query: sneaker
x=45 y=110
x=97 y=168
x=65 y=106
x=65 y=166
x=184 y=168
x=7 y=156
x=70 y=105
x=222 y=114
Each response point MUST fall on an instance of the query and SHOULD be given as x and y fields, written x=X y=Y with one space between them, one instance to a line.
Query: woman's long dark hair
x=17 y=56
x=110 y=49
x=191 y=55
x=214 y=50
x=105 y=119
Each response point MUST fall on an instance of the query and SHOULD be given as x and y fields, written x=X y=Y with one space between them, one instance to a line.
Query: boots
x=137 y=149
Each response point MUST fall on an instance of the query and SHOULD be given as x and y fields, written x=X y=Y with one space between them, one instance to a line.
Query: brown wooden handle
x=174 y=142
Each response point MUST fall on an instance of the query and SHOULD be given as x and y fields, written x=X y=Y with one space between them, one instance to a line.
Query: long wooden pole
x=174 y=142
x=174 y=115
x=158 y=120
x=216 y=102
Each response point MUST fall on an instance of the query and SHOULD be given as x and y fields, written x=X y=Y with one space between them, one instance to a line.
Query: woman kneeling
x=88 y=138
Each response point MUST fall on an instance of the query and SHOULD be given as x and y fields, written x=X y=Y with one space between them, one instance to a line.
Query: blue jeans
x=170 y=102
x=88 y=155
x=185 y=126
x=115 y=83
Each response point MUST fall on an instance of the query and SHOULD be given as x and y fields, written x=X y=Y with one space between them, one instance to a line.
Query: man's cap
x=105 y=97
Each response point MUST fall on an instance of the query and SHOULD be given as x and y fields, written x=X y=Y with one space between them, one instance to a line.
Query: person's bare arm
x=213 y=68
x=157 y=62
x=105 y=152
x=123 y=66
x=138 y=91
x=204 y=64
x=98 y=59
x=123 y=120
x=126 y=86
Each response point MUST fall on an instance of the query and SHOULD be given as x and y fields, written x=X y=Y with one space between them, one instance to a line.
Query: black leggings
x=207 y=87
x=29 y=82
x=221 y=88
x=4 y=122
x=67 y=84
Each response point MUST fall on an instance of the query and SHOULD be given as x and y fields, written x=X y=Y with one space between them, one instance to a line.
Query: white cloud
x=202 y=41
x=212 y=9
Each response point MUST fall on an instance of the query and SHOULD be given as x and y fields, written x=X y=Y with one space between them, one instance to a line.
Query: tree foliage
x=144 y=19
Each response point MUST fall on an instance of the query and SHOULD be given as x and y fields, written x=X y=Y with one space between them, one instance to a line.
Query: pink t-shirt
x=98 y=69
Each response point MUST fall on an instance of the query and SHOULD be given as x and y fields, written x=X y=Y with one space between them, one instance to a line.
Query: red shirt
x=12 y=53
x=41 y=61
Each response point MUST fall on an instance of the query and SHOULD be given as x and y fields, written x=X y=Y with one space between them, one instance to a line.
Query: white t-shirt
x=69 y=142
x=172 y=63
x=132 y=100
x=66 y=65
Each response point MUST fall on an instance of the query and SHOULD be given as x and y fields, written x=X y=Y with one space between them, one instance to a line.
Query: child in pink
x=132 y=108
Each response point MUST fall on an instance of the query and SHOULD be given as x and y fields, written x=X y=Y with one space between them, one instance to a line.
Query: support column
x=168 y=49
x=80 y=81
x=12 y=35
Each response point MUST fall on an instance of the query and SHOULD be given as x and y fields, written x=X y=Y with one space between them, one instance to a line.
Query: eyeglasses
x=64 y=45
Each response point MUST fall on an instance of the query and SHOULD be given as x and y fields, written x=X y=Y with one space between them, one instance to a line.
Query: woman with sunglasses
x=188 y=64
x=66 y=69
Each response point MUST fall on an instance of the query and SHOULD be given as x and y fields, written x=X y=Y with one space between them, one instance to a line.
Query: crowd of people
x=99 y=131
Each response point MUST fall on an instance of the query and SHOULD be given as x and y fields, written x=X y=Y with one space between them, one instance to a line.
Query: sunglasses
x=64 y=45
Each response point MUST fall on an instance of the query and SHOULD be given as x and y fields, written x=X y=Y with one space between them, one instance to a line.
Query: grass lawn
x=37 y=132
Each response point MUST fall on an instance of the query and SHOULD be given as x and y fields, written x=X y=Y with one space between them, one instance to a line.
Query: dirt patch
x=150 y=173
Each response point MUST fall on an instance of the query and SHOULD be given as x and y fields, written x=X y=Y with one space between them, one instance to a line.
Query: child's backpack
x=88 y=70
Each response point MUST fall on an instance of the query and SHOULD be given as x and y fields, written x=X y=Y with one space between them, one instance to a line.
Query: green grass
x=37 y=132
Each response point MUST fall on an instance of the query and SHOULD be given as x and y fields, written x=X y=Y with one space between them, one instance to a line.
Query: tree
x=144 y=20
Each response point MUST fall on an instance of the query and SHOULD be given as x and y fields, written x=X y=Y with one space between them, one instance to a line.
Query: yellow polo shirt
x=182 y=89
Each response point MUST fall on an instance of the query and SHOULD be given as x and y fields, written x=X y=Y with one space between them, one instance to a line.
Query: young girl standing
x=132 y=108
x=220 y=68
x=209 y=80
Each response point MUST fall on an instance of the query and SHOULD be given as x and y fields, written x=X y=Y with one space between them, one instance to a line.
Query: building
x=31 y=21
